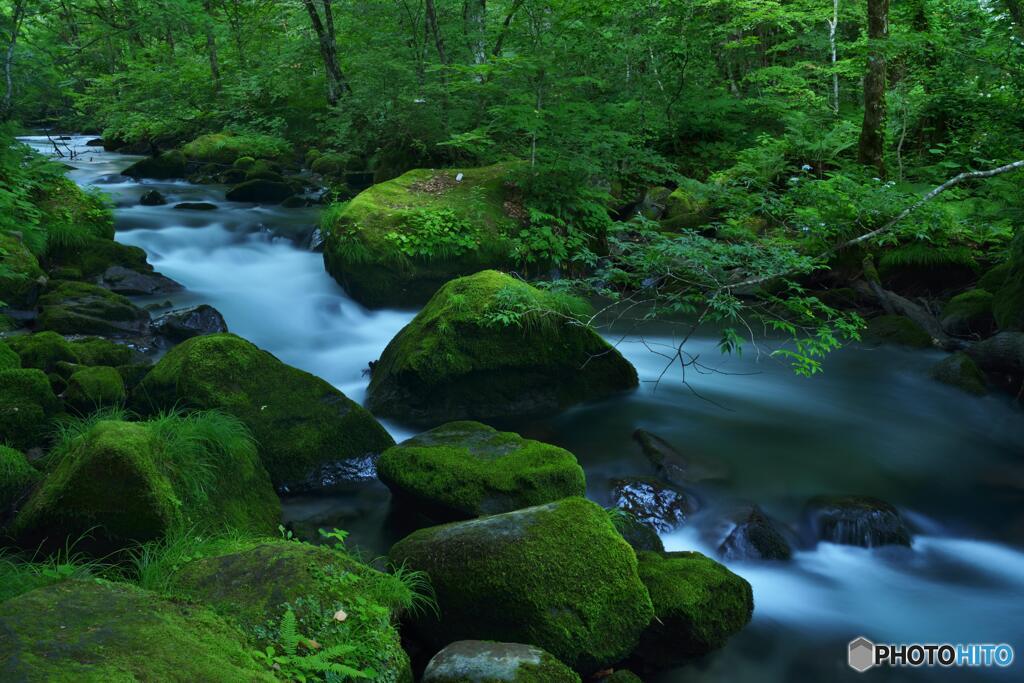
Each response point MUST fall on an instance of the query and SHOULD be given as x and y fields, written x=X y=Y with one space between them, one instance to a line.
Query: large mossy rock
x=467 y=469
x=899 y=330
x=1008 y=304
x=27 y=404
x=259 y=581
x=92 y=388
x=260 y=191
x=17 y=476
x=490 y=346
x=170 y=164
x=687 y=206
x=969 y=313
x=50 y=352
x=397 y=242
x=227 y=147
x=98 y=632
x=300 y=421
x=81 y=308
x=698 y=604
x=121 y=268
x=558 y=576
x=9 y=359
x=959 y=370
x=21 y=278
x=481 y=661
x=135 y=481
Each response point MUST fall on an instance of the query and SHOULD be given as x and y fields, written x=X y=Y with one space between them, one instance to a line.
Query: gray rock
x=478 y=661
x=152 y=198
x=186 y=323
x=128 y=282
x=855 y=520
x=673 y=466
x=755 y=538
x=660 y=506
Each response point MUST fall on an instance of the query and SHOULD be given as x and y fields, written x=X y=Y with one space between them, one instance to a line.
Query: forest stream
x=874 y=423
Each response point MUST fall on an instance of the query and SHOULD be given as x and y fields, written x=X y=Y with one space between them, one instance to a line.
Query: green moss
x=299 y=421
x=136 y=481
x=43 y=350
x=458 y=227
x=969 y=313
x=244 y=163
x=959 y=370
x=331 y=164
x=16 y=477
x=479 y=661
x=623 y=676
x=254 y=585
x=897 y=329
x=100 y=351
x=1008 y=304
x=558 y=576
x=9 y=360
x=260 y=191
x=21 y=278
x=81 y=308
x=98 y=632
x=698 y=604
x=687 y=206
x=994 y=278
x=72 y=215
x=170 y=164
x=91 y=257
x=27 y=404
x=490 y=346
x=92 y=388
x=227 y=147
x=467 y=469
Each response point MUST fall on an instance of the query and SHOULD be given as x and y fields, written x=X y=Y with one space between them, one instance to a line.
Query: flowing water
x=873 y=423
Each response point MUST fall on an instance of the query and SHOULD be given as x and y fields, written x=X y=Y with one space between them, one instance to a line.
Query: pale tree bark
x=833 y=24
x=17 y=17
x=337 y=84
x=872 y=132
x=474 y=17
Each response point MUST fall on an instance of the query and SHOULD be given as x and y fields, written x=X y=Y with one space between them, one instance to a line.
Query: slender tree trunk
x=435 y=31
x=7 y=104
x=337 y=85
x=833 y=24
x=872 y=132
x=1016 y=10
x=211 y=47
x=474 y=17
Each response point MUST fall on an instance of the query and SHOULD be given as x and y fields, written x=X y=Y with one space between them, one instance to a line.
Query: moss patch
x=9 y=360
x=959 y=370
x=92 y=388
x=80 y=308
x=92 y=256
x=467 y=469
x=490 y=346
x=299 y=420
x=21 y=278
x=97 y=632
x=170 y=164
x=969 y=313
x=16 y=477
x=1008 y=304
x=397 y=242
x=698 y=604
x=558 y=576
x=896 y=329
x=687 y=206
x=27 y=404
x=227 y=147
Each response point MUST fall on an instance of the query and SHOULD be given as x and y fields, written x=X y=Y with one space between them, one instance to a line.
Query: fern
x=924 y=254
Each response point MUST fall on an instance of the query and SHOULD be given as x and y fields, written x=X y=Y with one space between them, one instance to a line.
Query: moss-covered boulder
x=9 y=360
x=81 y=308
x=27 y=404
x=331 y=164
x=95 y=387
x=97 y=632
x=855 y=520
x=489 y=346
x=1008 y=304
x=21 y=278
x=623 y=676
x=638 y=535
x=687 y=206
x=300 y=421
x=52 y=353
x=897 y=329
x=228 y=147
x=135 y=481
x=969 y=313
x=960 y=370
x=558 y=576
x=170 y=164
x=397 y=242
x=100 y=351
x=466 y=469
x=260 y=191
x=698 y=604
x=481 y=661
x=121 y=268
x=17 y=476
x=256 y=583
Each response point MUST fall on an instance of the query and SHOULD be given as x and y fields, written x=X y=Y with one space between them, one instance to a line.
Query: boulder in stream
x=855 y=520
x=489 y=346
x=673 y=466
x=969 y=314
x=169 y=165
x=81 y=308
x=185 y=323
x=755 y=537
x=195 y=206
x=466 y=469
x=557 y=576
x=959 y=370
x=152 y=198
x=662 y=507
x=260 y=192
x=300 y=421
x=479 y=661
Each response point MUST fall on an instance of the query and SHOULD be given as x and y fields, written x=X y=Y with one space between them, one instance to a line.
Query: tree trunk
x=6 y=105
x=474 y=17
x=211 y=47
x=872 y=132
x=337 y=85
x=435 y=31
x=833 y=24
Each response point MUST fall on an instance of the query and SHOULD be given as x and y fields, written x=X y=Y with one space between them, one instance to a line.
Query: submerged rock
x=960 y=370
x=558 y=576
x=169 y=165
x=80 y=630
x=659 y=506
x=755 y=538
x=195 y=206
x=855 y=520
x=673 y=466
x=260 y=192
x=897 y=329
x=466 y=469
x=185 y=323
x=490 y=346
x=478 y=661
x=152 y=198
x=698 y=605
x=300 y=421
x=81 y=308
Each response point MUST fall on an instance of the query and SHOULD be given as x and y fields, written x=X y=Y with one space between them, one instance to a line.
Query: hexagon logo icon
x=861 y=654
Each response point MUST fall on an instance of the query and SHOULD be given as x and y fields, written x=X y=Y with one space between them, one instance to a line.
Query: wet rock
x=638 y=535
x=855 y=520
x=129 y=282
x=960 y=370
x=897 y=329
x=186 y=323
x=673 y=466
x=335 y=475
x=755 y=538
x=168 y=165
x=95 y=142
x=80 y=308
x=969 y=314
x=260 y=191
x=196 y=206
x=152 y=198
x=232 y=176
x=660 y=506
x=294 y=202
x=316 y=240
x=478 y=661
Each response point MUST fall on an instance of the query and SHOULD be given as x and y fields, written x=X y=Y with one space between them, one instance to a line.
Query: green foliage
x=434 y=234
